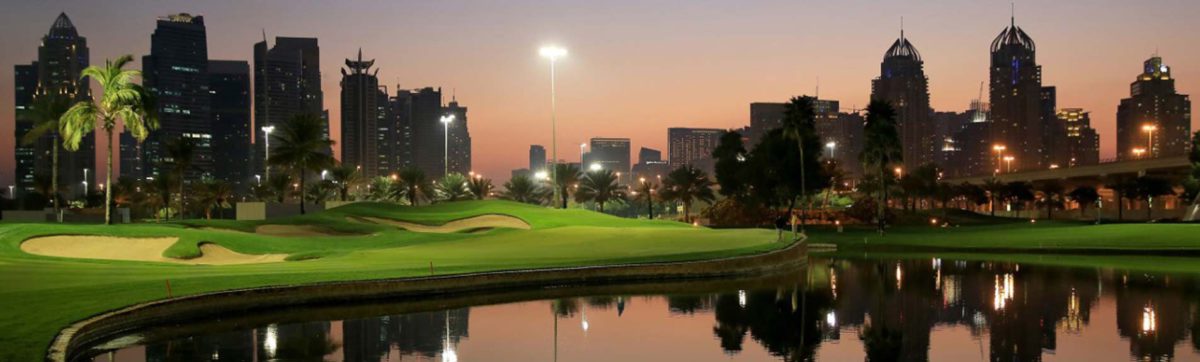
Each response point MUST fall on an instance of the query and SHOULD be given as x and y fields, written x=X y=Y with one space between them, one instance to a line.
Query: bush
x=731 y=213
x=865 y=210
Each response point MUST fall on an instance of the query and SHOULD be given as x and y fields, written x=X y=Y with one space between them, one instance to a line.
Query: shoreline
x=92 y=329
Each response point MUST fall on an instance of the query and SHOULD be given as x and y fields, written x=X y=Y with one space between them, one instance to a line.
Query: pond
x=834 y=310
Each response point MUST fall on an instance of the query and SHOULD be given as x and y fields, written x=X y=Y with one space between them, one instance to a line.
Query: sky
x=637 y=67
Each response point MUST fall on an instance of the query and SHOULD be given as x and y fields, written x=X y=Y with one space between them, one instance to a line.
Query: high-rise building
x=610 y=154
x=62 y=56
x=650 y=166
x=764 y=117
x=229 y=90
x=427 y=132
x=844 y=141
x=459 y=143
x=537 y=158
x=26 y=80
x=903 y=84
x=360 y=116
x=1082 y=143
x=1155 y=121
x=176 y=73
x=693 y=146
x=649 y=155
x=287 y=82
x=969 y=150
x=1016 y=98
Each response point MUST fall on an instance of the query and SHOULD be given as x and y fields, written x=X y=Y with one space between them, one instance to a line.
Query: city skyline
x=627 y=90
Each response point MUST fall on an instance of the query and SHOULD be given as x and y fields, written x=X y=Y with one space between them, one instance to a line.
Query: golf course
x=58 y=274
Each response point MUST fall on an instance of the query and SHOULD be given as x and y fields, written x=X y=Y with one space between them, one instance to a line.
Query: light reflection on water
x=837 y=310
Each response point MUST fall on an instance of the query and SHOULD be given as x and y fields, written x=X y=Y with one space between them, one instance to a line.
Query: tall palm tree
x=45 y=113
x=523 y=189
x=480 y=187
x=415 y=185
x=686 y=185
x=600 y=187
x=453 y=187
x=182 y=151
x=301 y=148
x=646 y=191
x=565 y=176
x=345 y=176
x=799 y=125
x=881 y=149
x=122 y=101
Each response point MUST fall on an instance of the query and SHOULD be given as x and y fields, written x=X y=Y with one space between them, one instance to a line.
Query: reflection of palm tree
x=45 y=113
x=123 y=100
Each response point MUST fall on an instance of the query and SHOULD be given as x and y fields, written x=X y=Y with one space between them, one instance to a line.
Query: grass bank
x=43 y=294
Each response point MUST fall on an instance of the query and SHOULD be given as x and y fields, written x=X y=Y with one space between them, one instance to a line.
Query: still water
x=835 y=310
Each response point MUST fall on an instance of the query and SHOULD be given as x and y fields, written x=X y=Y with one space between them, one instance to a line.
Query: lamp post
x=582 y=147
x=267 y=150
x=446 y=152
x=12 y=192
x=999 y=149
x=832 y=148
x=258 y=179
x=1149 y=129
x=553 y=53
x=1008 y=163
x=85 y=183
x=323 y=174
x=1138 y=152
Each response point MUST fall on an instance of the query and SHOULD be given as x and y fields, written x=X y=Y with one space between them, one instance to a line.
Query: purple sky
x=638 y=67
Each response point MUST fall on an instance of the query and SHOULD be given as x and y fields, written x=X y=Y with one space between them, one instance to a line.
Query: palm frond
x=78 y=122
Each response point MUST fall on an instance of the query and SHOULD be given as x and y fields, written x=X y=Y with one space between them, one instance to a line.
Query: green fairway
x=1163 y=239
x=42 y=294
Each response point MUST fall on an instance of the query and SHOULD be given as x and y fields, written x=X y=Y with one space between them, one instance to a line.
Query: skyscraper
x=459 y=143
x=1155 y=121
x=360 y=115
x=610 y=154
x=287 y=82
x=693 y=146
x=62 y=57
x=176 y=73
x=1016 y=99
x=428 y=144
x=229 y=89
x=1081 y=144
x=903 y=84
x=764 y=117
x=537 y=158
x=650 y=166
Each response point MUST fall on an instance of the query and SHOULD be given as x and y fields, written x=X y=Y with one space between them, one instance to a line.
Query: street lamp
x=832 y=148
x=323 y=174
x=899 y=172
x=595 y=166
x=267 y=150
x=258 y=179
x=1008 y=163
x=1149 y=129
x=582 y=146
x=446 y=165
x=85 y=184
x=12 y=192
x=999 y=155
x=1138 y=152
x=553 y=53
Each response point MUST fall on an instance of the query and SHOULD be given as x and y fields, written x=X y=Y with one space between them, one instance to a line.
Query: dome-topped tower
x=1013 y=37
x=902 y=48
x=63 y=28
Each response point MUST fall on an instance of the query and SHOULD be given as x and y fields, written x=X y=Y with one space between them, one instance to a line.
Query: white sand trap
x=136 y=249
x=292 y=230
x=471 y=223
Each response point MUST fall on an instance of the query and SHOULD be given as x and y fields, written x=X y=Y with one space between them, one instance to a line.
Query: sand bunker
x=137 y=249
x=292 y=230
x=471 y=223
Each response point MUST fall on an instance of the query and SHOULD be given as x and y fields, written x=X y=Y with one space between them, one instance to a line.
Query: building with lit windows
x=903 y=84
x=1155 y=121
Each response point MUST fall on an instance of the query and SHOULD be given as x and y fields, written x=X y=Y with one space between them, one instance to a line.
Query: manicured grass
x=41 y=295
x=1027 y=237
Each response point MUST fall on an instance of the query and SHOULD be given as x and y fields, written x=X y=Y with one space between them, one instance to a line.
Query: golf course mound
x=481 y=222
x=292 y=230
x=136 y=249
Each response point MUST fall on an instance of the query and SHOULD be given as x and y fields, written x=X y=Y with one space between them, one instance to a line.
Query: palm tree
x=182 y=151
x=415 y=185
x=453 y=187
x=213 y=194
x=1123 y=188
x=1084 y=196
x=321 y=191
x=799 y=125
x=124 y=191
x=301 y=148
x=480 y=187
x=1052 y=197
x=123 y=101
x=280 y=186
x=382 y=188
x=523 y=189
x=994 y=189
x=565 y=175
x=645 y=192
x=687 y=184
x=45 y=113
x=1018 y=193
x=881 y=149
x=160 y=188
x=345 y=176
x=600 y=187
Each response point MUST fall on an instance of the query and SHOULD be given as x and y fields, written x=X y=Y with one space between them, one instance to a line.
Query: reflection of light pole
x=446 y=121
x=1149 y=129
x=267 y=147
x=584 y=323
x=553 y=53
x=448 y=354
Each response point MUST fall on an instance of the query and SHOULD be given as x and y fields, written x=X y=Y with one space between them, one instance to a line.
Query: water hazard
x=835 y=310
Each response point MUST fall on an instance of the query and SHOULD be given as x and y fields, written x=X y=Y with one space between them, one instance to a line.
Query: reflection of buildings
x=1152 y=315
x=420 y=334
